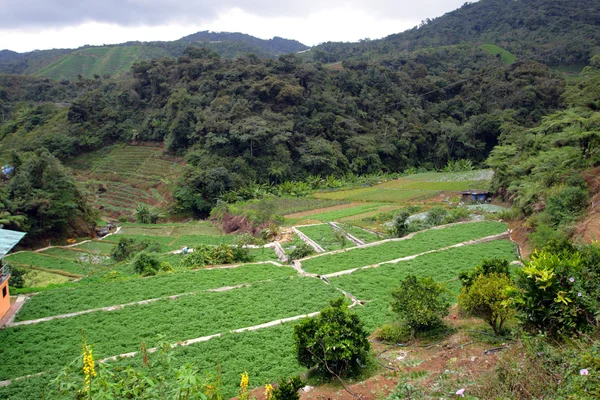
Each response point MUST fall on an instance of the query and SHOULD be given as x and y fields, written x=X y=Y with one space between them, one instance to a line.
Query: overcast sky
x=27 y=25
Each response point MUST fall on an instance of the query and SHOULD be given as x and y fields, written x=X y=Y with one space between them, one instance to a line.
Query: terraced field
x=414 y=188
x=197 y=304
x=127 y=176
x=92 y=61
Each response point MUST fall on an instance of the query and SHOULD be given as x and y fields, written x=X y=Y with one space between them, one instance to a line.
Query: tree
x=487 y=298
x=421 y=303
x=400 y=227
x=335 y=342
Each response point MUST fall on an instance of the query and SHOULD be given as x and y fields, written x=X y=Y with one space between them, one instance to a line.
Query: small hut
x=8 y=240
x=475 y=196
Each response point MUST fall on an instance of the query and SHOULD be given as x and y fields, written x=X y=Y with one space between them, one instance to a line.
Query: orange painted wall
x=4 y=300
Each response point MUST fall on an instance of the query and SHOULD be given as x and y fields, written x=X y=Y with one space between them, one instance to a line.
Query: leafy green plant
x=287 y=389
x=147 y=264
x=499 y=266
x=421 y=303
x=556 y=293
x=334 y=342
x=301 y=251
x=400 y=224
x=17 y=277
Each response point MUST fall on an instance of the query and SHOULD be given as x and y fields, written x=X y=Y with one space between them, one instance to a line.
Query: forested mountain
x=248 y=119
x=549 y=31
x=88 y=61
x=273 y=46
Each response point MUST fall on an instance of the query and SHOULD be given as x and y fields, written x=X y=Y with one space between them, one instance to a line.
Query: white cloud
x=317 y=22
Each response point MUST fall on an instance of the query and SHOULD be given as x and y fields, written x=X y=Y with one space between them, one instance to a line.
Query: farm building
x=475 y=196
x=8 y=240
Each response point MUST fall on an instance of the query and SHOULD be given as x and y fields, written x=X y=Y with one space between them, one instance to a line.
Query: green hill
x=506 y=56
x=92 y=61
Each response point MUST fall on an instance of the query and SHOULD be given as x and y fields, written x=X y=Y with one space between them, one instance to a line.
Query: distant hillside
x=92 y=61
x=273 y=46
x=88 y=61
x=555 y=32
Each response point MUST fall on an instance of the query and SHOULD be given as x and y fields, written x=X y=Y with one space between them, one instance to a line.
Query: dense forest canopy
x=387 y=107
x=549 y=31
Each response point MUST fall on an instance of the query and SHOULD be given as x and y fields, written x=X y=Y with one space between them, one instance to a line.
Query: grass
x=425 y=241
x=377 y=284
x=78 y=297
x=51 y=345
x=35 y=278
x=29 y=258
x=325 y=237
x=506 y=56
x=68 y=253
x=96 y=246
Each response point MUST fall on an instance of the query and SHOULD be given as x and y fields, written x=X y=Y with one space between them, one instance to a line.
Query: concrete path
x=308 y=240
x=9 y=317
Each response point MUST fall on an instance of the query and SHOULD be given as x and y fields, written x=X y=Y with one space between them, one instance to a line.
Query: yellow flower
x=243 y=395
x=89 y=369
x=268 y=391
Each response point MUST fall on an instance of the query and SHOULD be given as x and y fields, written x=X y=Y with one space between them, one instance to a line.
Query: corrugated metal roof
x=8 y=240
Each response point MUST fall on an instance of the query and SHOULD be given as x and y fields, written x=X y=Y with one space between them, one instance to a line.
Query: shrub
x=127 y=247
x=487 y=298
x=421 y=304
x=221 y=254
x=301 y=251
x=393 y=333
x=335 y=342
x=400 y=227
x=146 y=264
x=557 y=293
x=566 y=205
x=436 y=216
x=456 y=214
x=17 y=277
x=287 y=389
x=487 y=267
x=544 y=234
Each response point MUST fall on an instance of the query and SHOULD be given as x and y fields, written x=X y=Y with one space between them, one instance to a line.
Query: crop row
x=377 y=284
x=46 y=346
x=421 y=242
x=86 y=296
x=266 y=355
x=343 y=212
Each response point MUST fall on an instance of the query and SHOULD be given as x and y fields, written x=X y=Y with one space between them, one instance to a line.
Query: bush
x=544 y=234
x=566 y=205
x=487 y=298
x=17 y=277
x=557 y=293
x=287 y=389
x=335 y=342
x=393 y=333
x=400 y=227
x=146 y=264
x=456 y=214
x=127 y=247
x=304 y=250
x=499 y=266
x=421 y=304
x=222 y=254
x=436 y=216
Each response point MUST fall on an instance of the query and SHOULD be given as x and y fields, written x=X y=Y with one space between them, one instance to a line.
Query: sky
x=27 y=25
